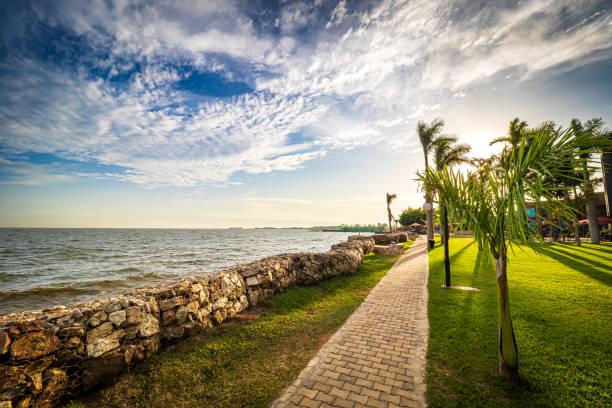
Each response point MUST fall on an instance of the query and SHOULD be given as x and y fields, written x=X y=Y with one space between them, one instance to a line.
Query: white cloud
x=364 y=82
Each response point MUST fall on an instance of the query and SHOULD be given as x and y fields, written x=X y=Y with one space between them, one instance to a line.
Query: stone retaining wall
x=386 y=239
x=52 y=354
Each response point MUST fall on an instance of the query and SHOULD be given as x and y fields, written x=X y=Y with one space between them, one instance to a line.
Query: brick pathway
x=377 y=358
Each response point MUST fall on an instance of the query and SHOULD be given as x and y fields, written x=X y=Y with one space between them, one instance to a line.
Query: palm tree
x=516 y=132
x=390 y=198
x=495 y=208
x=447 y=154
x=428 y=133
x=590 y=131
x=606 y=171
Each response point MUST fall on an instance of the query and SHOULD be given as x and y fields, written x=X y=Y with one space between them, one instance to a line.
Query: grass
x=249 y=364
x=561 y=303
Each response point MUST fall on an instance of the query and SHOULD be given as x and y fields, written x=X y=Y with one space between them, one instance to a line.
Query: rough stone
x=181 y=315
x=168 y=317
x=97 y=318
x=171 y=303
x=104 y=344
x=71 y=331
x=124 y=302
x=34 y=344
x=220 y=304
x=102 y=369
x=112 y=307
x=192 y=307
x=6 y=404
x=55 y=386
x=24 y=403
x=204 y=295
x=153 y=305
x=252 y=281
x=5 y=342
x=172 y=332
x=219 y=316
x=149 y=326
x=117 y=317
x=101 y=331
x=133 y=314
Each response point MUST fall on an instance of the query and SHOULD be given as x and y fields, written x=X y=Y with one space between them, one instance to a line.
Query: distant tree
x=390 y=198
x=412 y=215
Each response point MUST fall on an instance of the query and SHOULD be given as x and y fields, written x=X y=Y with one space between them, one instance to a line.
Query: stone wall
x=52 y=354
x=386 y=239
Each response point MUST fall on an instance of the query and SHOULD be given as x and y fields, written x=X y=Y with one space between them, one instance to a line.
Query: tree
x=390 y=198
x=447 y=154
x=428 y=133
x=411 y=216
x=516 y=132
x=495 y=207
x=590 y=131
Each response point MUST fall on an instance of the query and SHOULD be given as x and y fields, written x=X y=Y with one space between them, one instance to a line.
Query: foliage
x=561 y=298
x=411 y=216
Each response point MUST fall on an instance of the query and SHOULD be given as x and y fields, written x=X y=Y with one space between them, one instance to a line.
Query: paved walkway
x=377 y=358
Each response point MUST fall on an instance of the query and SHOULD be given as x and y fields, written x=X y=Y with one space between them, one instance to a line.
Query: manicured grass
x=246 y=365
x=561 y=302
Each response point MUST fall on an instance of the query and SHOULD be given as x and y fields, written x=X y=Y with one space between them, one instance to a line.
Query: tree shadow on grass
x=576 y=252
x=584 y=265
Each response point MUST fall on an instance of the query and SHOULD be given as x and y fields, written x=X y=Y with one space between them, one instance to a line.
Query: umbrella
x=583 y=222
x=415 y=225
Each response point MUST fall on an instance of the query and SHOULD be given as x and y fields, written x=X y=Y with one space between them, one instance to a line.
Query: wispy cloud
x=361 y=76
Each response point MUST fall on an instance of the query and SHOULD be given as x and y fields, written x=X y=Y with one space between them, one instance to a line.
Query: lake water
x=48 y=267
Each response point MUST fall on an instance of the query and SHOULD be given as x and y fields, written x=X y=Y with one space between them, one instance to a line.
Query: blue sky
x=276 y=113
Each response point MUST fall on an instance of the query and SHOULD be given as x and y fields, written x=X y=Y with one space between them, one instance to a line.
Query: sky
x=197 y=114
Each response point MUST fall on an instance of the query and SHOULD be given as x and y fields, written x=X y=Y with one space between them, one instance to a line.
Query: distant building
x=600 y=205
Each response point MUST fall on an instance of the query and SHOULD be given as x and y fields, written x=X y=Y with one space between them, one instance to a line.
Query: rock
x=55 y=386
x=34 y=344
x=196 y=287
x=24 y=403
x=153 y=305
x=393 y=249
x=77 y=315
x=13 y=382
x=97 y=318
x=105 y=344
x=171 y=303
x=172 y=332
x=133 y=314
x=204 y=295
x=181 y=315
x=149 y=326
x=102 y=369
x=6 y=404
x=112 y=307
x=117 y=317
x=124 y=302
x=168 y=317
x=73 y=342
x=5 y=342
x=37 y=381
x=192 y=307
x=71 y=331
x=220 y=304
x=219 y=316
x=252 y=281
x=101 y=331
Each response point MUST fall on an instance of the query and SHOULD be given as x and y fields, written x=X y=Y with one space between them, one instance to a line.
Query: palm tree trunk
x=390 y=218
x=446 y=256
x=606 y=171
x=428 y=212
x=591 y=210
x=507 y=350
x=538 y=212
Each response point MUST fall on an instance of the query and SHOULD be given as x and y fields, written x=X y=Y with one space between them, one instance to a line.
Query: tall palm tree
x=428 y=133
x=590 y=131
x=390 y=198
x=516 y=132
x=606 y=171
x=448 y=154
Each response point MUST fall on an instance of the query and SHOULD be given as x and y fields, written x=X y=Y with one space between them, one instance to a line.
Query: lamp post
x=427 y=207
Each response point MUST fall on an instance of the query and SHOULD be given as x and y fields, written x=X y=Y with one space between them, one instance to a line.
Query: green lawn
x=246 y=364
x=561 y=302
